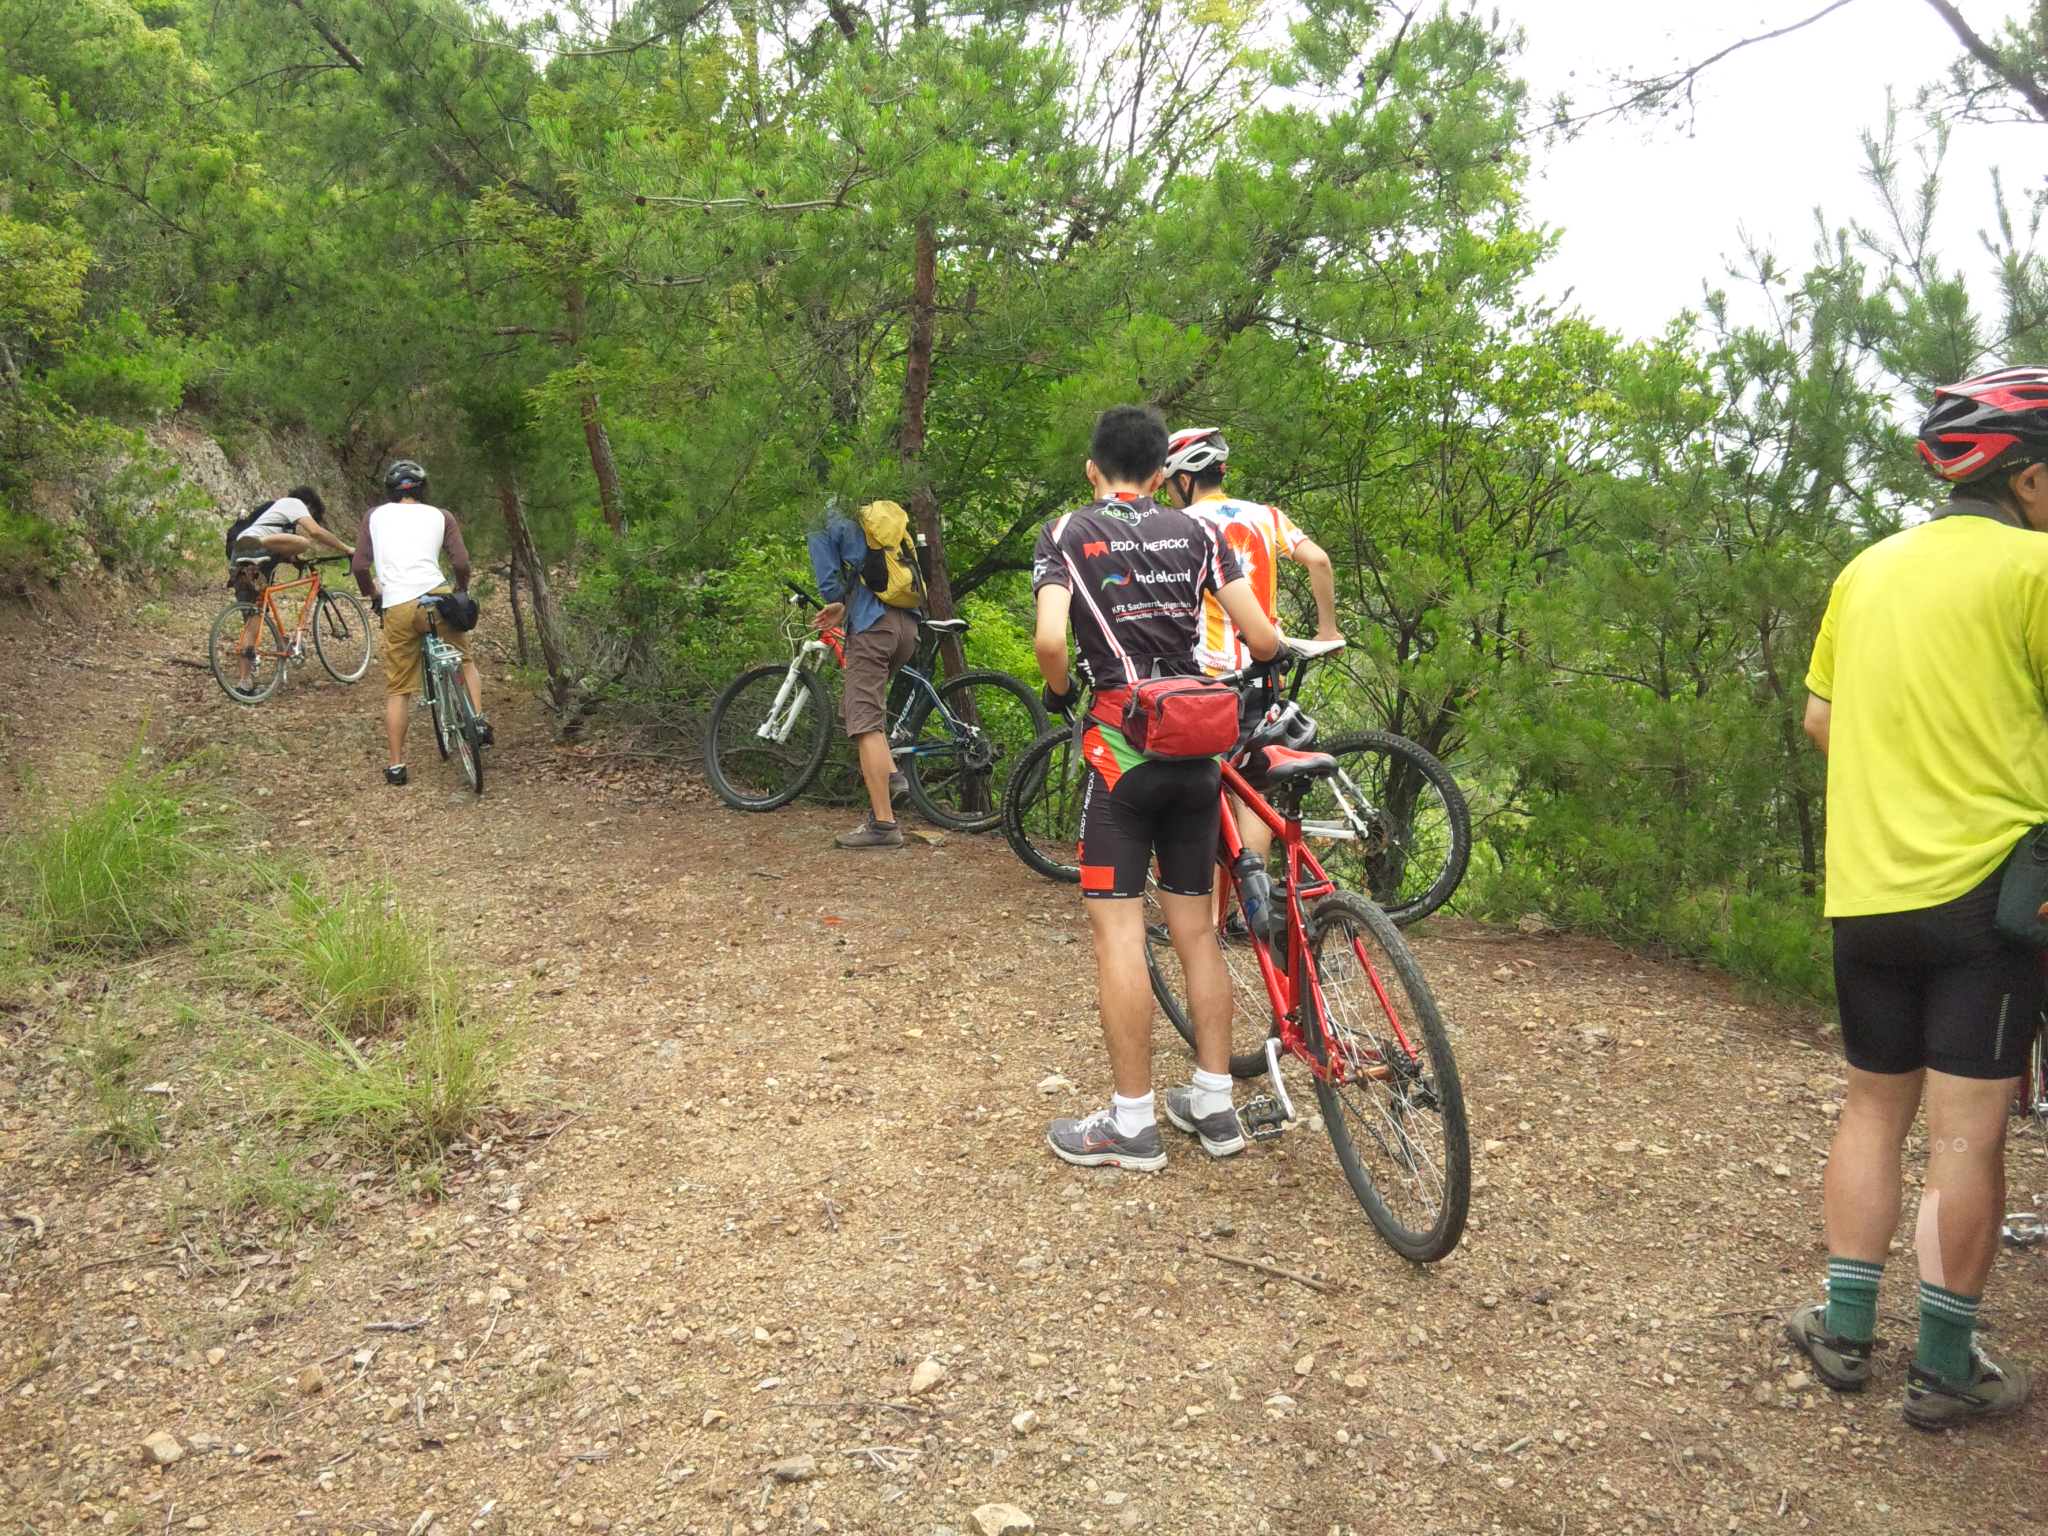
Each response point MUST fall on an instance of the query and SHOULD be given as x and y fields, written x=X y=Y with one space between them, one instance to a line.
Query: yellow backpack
x=890 y=570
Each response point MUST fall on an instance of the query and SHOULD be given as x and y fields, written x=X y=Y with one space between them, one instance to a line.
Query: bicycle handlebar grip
x=801 y=595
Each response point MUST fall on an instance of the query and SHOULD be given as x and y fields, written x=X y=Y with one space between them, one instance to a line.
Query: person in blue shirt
x=880 y=641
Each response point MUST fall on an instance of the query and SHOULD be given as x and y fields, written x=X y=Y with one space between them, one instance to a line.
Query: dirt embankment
x=783 y=1147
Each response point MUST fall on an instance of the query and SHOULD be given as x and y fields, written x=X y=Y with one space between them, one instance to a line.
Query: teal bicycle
x=445 y=697
x=956 y=742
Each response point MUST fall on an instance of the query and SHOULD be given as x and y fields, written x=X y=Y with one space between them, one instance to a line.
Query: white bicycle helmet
x=1194 y=449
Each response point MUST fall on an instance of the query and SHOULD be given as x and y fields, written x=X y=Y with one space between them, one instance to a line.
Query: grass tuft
x=124 y=1119
x=407 y=1098
x=116 y=875
x=362 y=962
x=272 y=1186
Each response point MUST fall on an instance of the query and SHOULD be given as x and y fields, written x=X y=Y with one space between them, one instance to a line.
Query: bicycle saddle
x=1283 y=765
x=946 y=626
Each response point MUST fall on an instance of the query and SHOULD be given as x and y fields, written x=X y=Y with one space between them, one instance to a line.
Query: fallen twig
x=412 y=1327
x=600 y=1455
x=1320 y=1287
x=831 y=1211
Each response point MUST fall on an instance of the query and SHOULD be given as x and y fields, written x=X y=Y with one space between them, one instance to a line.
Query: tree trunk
x=547 y=619
x=917 y=388
x=594 y=435
x=518 y=616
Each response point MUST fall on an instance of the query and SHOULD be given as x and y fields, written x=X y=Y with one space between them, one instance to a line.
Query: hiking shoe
x=395 y=776
x=1997 y=1387
x=871 y=834
x=899 y=786
x=1221 y=1134
x=1093 y=1142
x=484 y=734
x=1842 y=1364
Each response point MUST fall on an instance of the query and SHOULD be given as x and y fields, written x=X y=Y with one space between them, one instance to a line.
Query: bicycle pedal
x=1263 y=1118
x=2024 y=1229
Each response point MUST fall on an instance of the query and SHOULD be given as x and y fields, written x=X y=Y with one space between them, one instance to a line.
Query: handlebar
x=802 y=596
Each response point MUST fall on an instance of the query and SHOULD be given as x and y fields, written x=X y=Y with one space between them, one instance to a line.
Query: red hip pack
x=1181 y=718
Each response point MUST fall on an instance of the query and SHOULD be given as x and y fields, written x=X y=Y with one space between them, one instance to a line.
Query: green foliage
x=122 y=1118
x=270 y=1184
x=119 y=368
x=115 y=875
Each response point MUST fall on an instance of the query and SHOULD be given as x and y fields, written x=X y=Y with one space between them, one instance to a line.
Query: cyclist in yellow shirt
x=1928 y=691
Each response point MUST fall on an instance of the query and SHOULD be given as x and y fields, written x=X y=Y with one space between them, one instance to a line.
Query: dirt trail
x=789 y=1147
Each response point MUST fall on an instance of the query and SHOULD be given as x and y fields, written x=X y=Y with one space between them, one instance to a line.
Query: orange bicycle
x=251 y=649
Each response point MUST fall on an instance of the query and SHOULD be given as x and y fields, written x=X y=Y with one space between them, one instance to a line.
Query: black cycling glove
x=1059 y=703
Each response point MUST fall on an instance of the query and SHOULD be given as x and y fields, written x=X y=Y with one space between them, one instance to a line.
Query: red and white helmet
x=1194 y=449
x=1982 y=425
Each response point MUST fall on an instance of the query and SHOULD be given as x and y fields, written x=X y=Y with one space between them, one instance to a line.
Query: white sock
x=1211 y=1095
x=1132 y=1115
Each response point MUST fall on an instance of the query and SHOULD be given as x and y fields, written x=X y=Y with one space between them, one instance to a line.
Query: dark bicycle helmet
x=1284 y=725
x=1996 y=421
x=405 y=478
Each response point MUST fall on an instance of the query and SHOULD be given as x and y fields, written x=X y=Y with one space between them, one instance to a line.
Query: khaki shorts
x=873 y=657
x=404 y=655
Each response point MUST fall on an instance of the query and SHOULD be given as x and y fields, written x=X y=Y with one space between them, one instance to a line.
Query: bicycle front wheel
x=463 y=729
x=1391 y=824
x=1042 y=806
x=1251 y=1005
x=766 y=737
x=341 y=635
x=965 y=748
x=248 y=674
x=1389 y=1091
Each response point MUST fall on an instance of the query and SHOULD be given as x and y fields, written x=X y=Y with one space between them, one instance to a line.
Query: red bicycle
x=1339 y=991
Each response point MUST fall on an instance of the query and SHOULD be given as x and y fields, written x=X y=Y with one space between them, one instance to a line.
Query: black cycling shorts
x=1151 y=809
x=1937 y=988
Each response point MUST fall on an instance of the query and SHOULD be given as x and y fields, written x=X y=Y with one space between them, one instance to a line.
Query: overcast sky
x=1649 y=210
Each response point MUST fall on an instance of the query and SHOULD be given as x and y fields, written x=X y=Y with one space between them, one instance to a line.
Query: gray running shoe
x=1093 y=1142
x=1842 y=1364
x=1221 y=1134
x=1997 y=1387
x=899 y=786
x=870 y=834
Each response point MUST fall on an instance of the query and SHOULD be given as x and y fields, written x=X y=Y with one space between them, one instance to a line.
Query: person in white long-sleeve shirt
x=398 y=562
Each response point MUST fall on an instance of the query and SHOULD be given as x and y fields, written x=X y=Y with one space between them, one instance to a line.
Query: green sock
x=1852 y=1299
x=1947 y=1323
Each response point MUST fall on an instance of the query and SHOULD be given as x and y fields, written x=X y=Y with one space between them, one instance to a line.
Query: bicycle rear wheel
x=341 y=635
x=1042 y=806
x=1251 y=1006
x=436 y=711
x=224 y=653
x=965 y=748
x=1391 y=824
x=1389 y=1090
x=754 y=772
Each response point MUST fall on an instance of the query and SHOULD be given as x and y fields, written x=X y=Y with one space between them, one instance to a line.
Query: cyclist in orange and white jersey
x=1262 y=536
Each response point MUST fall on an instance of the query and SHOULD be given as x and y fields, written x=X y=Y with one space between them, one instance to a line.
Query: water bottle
x=1255 y=895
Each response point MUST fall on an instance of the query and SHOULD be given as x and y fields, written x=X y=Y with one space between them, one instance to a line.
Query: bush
x=115 y=876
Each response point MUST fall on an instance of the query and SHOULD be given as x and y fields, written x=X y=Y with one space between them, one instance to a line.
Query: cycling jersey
x=1262 y=536
x=1144 y=570
x=281 y=516
x=1934 y=654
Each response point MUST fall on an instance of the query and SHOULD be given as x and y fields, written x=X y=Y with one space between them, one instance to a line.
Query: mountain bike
x=1391 y=820
x=251 y=649
x=1339 y=992
x=445 y=697
x=956 y=742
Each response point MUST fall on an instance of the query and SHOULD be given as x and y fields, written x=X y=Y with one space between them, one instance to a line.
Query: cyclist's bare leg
x=1256 y=835
x=1964 y=1198
x=1860 y=1195
x=1124 y=989
x=397 y=716
x=876 y=764
x=246 y=663
x=286 y=546
x=1191 y=920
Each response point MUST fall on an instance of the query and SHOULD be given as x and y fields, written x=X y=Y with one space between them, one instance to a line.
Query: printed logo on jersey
x=1116 y=579
x=1094 y=547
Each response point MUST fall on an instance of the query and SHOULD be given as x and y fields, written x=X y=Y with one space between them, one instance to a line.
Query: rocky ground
x=773 y=1244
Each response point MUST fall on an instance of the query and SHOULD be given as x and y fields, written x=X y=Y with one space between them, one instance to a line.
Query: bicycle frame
x=808 y=651
x=1305 y=881
x=788 y=707
x=295 y=636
